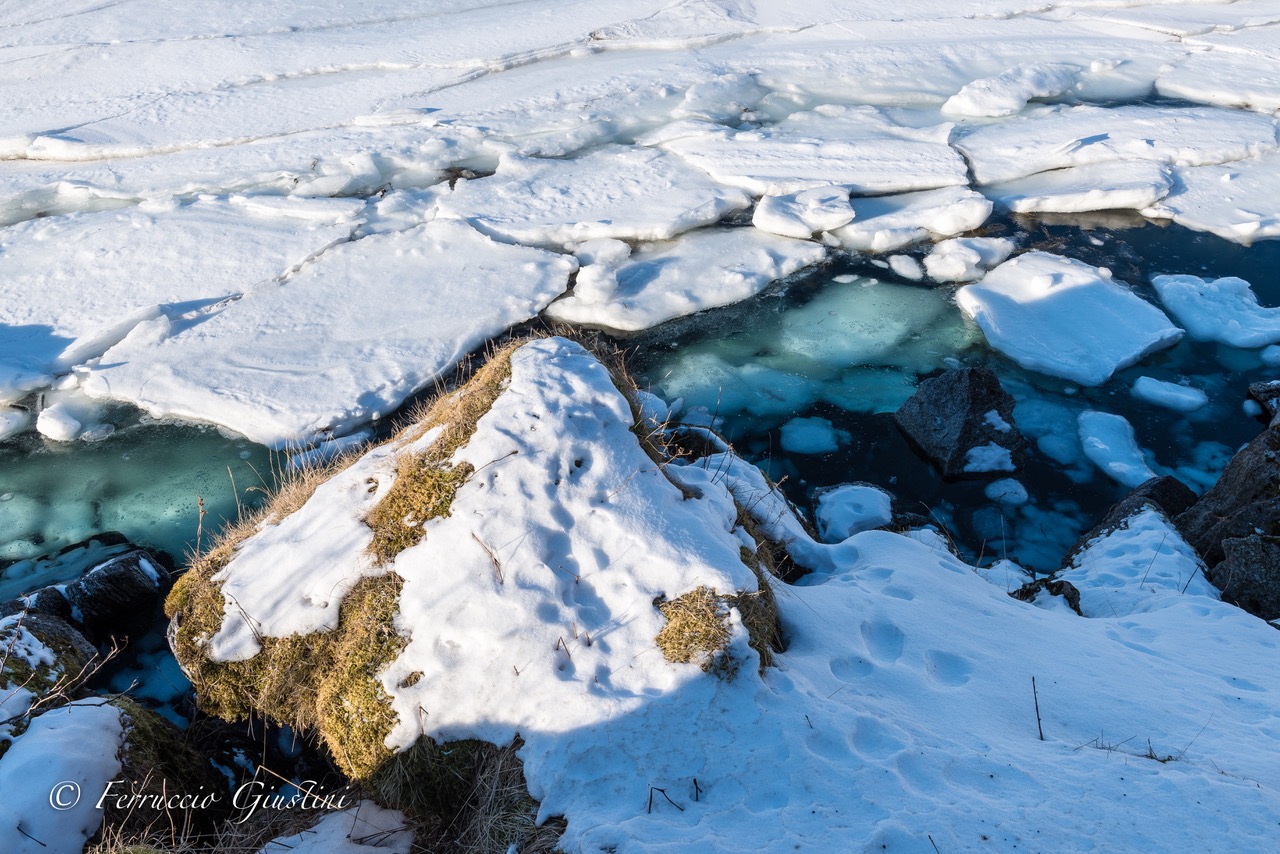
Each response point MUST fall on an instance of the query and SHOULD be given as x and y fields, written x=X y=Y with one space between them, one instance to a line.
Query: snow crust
x=1063 y=317
x=708 y=268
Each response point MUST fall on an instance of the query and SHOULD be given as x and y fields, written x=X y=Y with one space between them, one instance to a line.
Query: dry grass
x=697 y=629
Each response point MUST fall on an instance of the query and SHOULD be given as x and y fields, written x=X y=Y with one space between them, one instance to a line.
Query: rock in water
x=963 y=421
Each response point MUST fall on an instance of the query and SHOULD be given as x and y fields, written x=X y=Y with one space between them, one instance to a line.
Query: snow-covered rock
x=1063 y=317
x=848 y=509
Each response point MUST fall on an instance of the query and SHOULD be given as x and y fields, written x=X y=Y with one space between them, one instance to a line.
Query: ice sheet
x=886 y=223
x=1238 y=201
x=1135 y=184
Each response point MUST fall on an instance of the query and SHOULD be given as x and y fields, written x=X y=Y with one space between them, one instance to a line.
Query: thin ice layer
x=70 y=287
x=620 y=192
x=1123 y=184
x=854 y=146
x=1058 y=137
x=886 y=223
x=1063 y=317
x=703 y=269
x=1224 y=310
x=344 y=341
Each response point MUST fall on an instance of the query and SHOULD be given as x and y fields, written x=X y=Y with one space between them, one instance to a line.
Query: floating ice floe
x=1007 y=93
x=1063 y=317
x=886 y=223
x=1141 y=566
x=1121 y=184
x=853 y=146
x=811 y=436
x=1058 y=137
x=70 y=287
x=1224 y=310
x=623 y=192
x=805 y=213
x=1180 y=398
x=1110 y=443
x=1237 y=201
x=344 y=341
x=703 y=269
x=1006 y=491
x=964 y=259
x=851 y=508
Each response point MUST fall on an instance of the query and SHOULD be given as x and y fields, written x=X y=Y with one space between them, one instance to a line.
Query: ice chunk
x=13 y=421
x=851 y=508
x=701 y=270
x=621 y=192
x=1238 y=201
x=1109 y=442
x=1226 y=78
x=1063 y=317
x=811 y=436
x=345 y=340
x=906 y=267
x=56 y=423
x=1008 y=92
x=988 y=458
x=1006 y=491
x=1181 y=398
x=964 y=259
x=1139 y=567
x=805 y=213
x=145 y=261
x=1126 y=184
x=1057 y=137
x=1224 y=310
x=885 y=223
x=854 y=146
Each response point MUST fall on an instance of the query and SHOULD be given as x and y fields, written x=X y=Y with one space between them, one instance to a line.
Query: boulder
x=1249 y=574
x=963 y=422
x=1245 y=500
x=118 y=597
x=1266 y=395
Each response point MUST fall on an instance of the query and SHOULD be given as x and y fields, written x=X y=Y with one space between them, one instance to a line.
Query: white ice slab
x=1238 y=201
x=620 y=192
x=805 y=213
x=344 y=341
x=70 y=287
x=1225 y=79
x=703 y=269
x=854 y=146
x=1175 y=396
x=1123 y=184
x=964 y=259
x=1110 y=443
x=886 y=223
x=1224 y=310
x=1063 y=317
x=1058 y=137
x=811 y=436
x=1005 y=94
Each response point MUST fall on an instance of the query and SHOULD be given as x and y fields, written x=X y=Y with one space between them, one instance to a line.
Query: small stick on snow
x=1035 y=696
x=497 y=566
x=934 y=844
x=697 y=790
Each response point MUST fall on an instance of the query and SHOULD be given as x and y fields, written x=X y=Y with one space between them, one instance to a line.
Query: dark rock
x=1249 y=574
x=1267 y=395
x=952 y=414
x=1167 y=494
x=1054 y=587
x=1244 y=501
x=118 y=597
x=47 y=600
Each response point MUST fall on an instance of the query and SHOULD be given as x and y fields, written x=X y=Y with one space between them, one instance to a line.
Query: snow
x=857 y=147
x=626 y=193
x=1007 y=93
x=1238 y=201
x=66 y=757
x=301 y=360
x=1224 y=310
x=988 y=458
x=706 y=269
x=1109 y=441
x=1175 y=396
x=964 y=259
x=1120 y=184
x=886 y=223
x=1065 y=318
x=1141 y=566
x=851 y=508
x=363 y=828
x=805 y=213
x=1057 y=137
